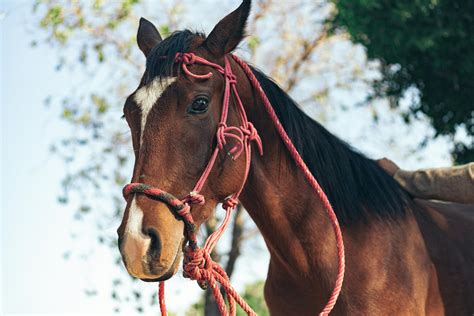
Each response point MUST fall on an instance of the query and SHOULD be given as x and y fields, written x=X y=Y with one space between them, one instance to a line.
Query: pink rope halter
x=197 y=262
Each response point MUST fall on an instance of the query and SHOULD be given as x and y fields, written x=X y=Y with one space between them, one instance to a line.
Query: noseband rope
x=197 y=262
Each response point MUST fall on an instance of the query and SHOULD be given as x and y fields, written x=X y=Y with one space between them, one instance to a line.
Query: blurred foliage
x=253 y=295
x=427 y=44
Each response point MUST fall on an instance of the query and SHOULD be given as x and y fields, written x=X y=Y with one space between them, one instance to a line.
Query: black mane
x=355 y=185
x=160 y=61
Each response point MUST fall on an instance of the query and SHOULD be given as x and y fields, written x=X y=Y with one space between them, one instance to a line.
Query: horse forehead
x=147 y=96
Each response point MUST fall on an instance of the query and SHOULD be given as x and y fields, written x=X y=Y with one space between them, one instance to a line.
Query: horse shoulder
x=448 y=231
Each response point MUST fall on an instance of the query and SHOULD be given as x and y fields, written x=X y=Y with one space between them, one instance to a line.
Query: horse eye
x=199 y=105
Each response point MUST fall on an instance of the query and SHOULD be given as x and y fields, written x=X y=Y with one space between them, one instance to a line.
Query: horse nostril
x=155 y=245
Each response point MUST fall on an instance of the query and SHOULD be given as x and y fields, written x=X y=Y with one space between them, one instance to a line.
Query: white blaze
x=148 y=95
x=135 y=242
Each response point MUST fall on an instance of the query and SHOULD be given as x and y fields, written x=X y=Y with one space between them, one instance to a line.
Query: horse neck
x=287 y=212
x=291 y=219
x=299 y=235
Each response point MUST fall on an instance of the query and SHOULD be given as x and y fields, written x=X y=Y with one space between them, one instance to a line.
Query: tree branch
x=304 y=57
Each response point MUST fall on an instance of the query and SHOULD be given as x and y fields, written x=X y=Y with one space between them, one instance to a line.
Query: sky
x=36 y=231
x=34 y=228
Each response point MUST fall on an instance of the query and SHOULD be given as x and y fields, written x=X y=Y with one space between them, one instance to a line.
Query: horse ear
x=228 y=33
x=147 y=36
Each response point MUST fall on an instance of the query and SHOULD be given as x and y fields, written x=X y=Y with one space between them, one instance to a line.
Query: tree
x=425 y=45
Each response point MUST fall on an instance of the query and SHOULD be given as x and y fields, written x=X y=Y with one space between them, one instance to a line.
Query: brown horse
x=402 y=257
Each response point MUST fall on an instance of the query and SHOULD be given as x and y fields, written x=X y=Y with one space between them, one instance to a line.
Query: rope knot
x=185 y=58
x=190 y=59
x=221 y=135
x=252 y=135
x=231 y=78
x=197 y=265
x=250 y=131
x=230 y=203
x=194 y=198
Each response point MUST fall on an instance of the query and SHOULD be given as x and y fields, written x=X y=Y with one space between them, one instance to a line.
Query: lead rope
x=197 y=263
x=312 y=181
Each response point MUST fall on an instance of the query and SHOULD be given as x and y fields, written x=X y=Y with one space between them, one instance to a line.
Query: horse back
x=448 y=231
